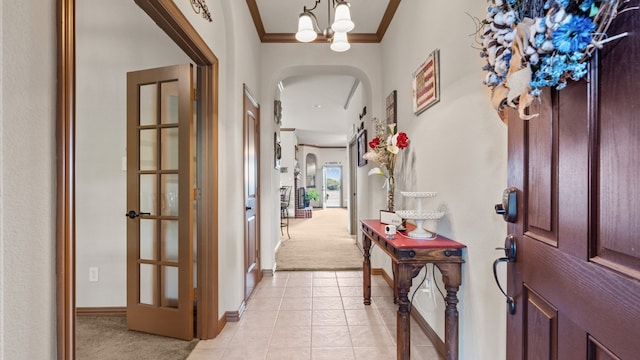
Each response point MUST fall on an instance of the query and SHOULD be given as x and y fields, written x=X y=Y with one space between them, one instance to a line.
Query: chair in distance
x=285 y=197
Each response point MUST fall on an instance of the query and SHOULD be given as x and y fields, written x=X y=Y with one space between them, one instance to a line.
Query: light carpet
x=107 y=338
x=319 y=243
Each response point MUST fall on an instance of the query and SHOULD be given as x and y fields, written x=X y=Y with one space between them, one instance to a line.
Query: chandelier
x=335 y=33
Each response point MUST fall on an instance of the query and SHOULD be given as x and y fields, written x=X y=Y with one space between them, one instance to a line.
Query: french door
x=160 y=182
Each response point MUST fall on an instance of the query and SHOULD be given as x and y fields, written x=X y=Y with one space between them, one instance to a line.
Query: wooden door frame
x=169 y=18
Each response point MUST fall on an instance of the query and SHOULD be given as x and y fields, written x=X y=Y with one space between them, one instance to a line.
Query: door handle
x=510 y=256
x=247 y=208
x=132 y=214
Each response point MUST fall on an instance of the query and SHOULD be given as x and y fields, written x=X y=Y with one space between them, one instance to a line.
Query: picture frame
x=362 y=147
x=391 y=105
x=277 y=151
x=277 y=112
x=426 y=83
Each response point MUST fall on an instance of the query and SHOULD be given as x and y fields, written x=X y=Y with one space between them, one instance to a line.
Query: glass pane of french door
x=159 y=180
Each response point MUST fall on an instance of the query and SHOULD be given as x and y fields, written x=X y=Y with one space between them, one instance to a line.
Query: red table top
x=401 y=241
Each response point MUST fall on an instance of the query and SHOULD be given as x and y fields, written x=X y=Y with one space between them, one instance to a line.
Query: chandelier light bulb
x=306 y=32
x=340 y=42
x=342 y=22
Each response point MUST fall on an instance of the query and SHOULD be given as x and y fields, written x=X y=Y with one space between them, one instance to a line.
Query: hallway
x=315 y=315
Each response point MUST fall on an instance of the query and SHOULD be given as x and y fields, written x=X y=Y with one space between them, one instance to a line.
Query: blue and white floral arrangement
x=531 y=44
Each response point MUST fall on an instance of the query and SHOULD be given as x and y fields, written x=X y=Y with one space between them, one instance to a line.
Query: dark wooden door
x=251 y=186
x=576 y=280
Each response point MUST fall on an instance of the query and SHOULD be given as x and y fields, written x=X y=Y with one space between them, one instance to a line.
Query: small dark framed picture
x=391 y=108
x=362 y=148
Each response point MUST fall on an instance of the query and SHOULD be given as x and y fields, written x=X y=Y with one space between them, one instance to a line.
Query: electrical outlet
x=94 y=274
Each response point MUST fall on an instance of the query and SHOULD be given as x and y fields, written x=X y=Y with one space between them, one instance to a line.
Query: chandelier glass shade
x=306 y=32
x=335 y=33
x=340 y=42
x=342 y=19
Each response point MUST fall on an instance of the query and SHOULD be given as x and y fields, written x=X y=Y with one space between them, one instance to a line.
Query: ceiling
x=277 y=20
x=314 y=104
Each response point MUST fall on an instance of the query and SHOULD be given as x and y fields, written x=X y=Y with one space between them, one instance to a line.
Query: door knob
x=510 y=256
x=132 y=214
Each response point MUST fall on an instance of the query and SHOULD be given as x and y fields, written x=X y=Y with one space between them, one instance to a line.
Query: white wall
x=280 y=61
x=27 y=180
x=233 y=39
x=458 y=148
x=113 y=38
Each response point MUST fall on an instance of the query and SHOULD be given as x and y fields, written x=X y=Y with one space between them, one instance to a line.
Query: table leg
x=366 y=269
x=451 y=276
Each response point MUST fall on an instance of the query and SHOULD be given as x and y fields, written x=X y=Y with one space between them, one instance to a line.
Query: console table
x=408 y=257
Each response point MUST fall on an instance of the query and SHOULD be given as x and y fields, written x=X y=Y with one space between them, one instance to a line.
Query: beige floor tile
x=349 y=274
x=332 y=354
x=350 y=281
x=259 y=337
x=314 y=315
x=327 y=303
x=206 y=354
x=375 y=353
x=253 y=319
x=354 y=302
x=424 y=353
x=245 y=353
x=291 y=336
x=289 y=354
x=268 y=303
x=363 y=317
x=300 y=282
x=294 y=318
x=384 y=302
x=381 y=291
x=296 y=303
x=328 y=318
x=297 y=292
x=273 y=282
x=330 y=336
x=351 y=291
x=325 y=281
x=300 y=274
x=324 y=274
x=326 y=291
x=370 y=336
x=267 y=292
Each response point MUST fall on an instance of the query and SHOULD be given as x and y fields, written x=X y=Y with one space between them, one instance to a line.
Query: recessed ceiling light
x=317 y=106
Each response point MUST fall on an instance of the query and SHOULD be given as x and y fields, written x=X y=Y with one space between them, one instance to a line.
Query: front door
x=160 y=151
x=251 y=186
x=576 y=168
x=332 y=186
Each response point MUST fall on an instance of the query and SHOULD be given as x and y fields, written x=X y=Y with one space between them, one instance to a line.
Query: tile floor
x=313 y=316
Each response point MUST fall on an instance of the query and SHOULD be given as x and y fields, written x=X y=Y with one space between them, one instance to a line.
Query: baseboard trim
x=101 y=311
x=438 y=344
x=267 y=272
x=234 y=316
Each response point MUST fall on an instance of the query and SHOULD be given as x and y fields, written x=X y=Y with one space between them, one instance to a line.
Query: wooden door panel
x=251 y=192
x=576 y=280
x=618 y=207
x=542 y=327
x=541 y=169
